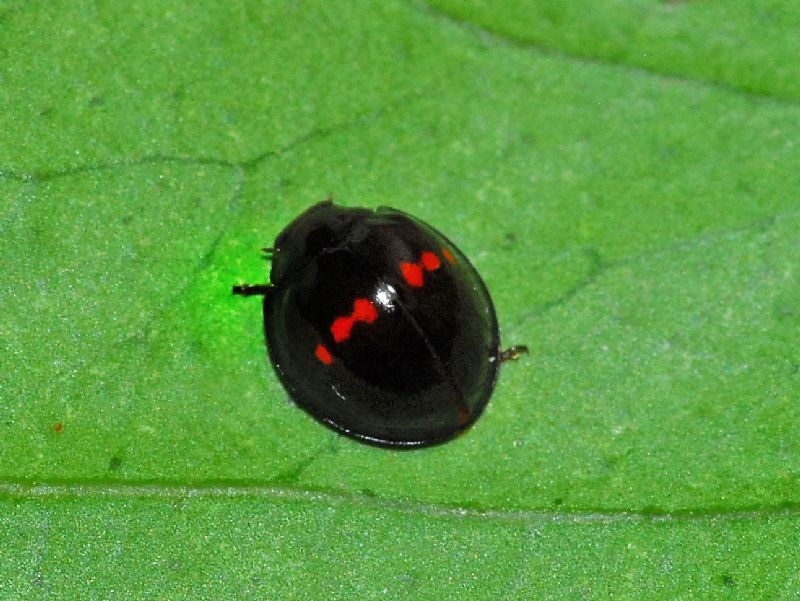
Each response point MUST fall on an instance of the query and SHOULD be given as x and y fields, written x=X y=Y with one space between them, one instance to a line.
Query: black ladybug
x=379 y=327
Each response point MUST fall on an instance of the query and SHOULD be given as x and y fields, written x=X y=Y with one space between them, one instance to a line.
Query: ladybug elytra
x=379 y=327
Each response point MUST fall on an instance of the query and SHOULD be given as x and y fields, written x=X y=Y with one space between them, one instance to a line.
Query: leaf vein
x=494 y=35
x=53 y=490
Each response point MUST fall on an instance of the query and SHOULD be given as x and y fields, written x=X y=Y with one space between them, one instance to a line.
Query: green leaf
x=637 y=222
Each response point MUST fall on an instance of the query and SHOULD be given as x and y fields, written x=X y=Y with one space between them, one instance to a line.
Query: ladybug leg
x=513 y=352
x=251 y=289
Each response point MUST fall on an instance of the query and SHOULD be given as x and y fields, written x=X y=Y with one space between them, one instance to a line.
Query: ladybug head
x=318 y=230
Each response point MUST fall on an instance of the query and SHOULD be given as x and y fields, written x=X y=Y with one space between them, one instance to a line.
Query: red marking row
x=413 y=273
x=364 y=310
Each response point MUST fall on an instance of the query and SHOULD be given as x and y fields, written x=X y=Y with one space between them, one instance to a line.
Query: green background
x=624 y=175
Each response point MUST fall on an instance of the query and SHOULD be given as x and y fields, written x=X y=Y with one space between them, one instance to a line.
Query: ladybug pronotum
x=379 y=327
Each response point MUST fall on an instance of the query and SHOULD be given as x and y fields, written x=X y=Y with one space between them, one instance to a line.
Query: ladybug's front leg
x=251 y=289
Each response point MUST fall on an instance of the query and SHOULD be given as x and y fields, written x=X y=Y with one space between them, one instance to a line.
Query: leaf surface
x=638 y=227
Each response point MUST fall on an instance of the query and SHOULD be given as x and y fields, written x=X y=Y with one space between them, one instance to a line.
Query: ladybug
x=379 y=327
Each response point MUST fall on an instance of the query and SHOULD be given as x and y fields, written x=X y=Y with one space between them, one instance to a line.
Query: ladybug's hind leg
x=513 y=352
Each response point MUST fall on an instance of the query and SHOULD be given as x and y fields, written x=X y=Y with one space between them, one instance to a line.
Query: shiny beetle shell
x=379 y=327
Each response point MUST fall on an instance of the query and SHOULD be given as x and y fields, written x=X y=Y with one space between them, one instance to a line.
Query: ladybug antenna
x=513 y=353
x=251 y=289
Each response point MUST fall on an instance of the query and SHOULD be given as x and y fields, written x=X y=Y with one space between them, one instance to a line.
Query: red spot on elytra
x=413 y=273
x=430 y=261
x=363 y=310
x=323 y=354
x=464 y=415
x=340 y=328
x=448 y=255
